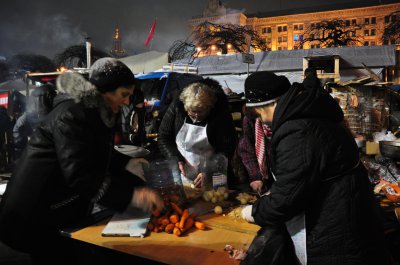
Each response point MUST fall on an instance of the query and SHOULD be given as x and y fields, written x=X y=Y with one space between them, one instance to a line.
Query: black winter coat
x=316 y=164
x=68 y=164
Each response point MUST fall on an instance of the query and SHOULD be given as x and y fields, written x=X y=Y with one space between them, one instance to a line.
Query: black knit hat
x=107 y=74
x=262 y=88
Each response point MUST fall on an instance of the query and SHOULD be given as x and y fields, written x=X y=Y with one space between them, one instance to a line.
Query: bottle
x=218 y=171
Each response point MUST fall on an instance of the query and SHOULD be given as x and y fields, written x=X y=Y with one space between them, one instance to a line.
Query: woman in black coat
x=318 y=173
x=214 y=117
x=70 y=163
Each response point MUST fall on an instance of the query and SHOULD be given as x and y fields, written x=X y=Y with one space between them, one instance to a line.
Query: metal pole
x=88 y=53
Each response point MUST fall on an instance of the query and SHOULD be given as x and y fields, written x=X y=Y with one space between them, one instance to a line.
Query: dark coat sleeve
x=296 y=170
x=168 y=131
x=21 y=131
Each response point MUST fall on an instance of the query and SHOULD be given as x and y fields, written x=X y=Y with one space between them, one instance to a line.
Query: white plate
x=131 y=150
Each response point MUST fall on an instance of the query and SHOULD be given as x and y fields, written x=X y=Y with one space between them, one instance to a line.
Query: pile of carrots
x=176 y=222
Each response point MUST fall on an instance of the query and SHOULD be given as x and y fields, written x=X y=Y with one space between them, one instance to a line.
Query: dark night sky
x=47 y=27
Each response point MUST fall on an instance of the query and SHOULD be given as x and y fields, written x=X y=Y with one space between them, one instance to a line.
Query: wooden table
x=195 y=247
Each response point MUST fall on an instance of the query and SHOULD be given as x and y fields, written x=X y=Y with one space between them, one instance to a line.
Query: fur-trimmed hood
x=73 y=86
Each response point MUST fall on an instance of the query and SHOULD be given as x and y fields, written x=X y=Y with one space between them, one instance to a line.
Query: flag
x=151 y=33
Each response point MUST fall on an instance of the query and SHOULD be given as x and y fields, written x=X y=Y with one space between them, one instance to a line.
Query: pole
x=88 y=53
x=248 y=68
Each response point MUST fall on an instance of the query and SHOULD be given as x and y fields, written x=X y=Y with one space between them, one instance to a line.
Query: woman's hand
x=199 y=180
x=146 y=199
x=256 y=185
x=181 y=166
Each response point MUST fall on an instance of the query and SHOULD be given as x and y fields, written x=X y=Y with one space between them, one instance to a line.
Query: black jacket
x=316 y=164
x=68 y=164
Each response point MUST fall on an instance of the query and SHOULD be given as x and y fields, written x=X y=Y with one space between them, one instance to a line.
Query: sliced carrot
x=199 y=225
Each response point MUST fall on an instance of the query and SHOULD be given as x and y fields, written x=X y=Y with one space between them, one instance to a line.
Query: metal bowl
x=390 y=149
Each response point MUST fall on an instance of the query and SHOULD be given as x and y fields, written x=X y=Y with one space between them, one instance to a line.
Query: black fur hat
x=264 y=87
x=107 y=74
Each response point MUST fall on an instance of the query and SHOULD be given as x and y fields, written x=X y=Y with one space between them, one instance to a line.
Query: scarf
x=262 y=134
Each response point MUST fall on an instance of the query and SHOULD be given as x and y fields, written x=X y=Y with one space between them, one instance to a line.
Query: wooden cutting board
x=207 y=215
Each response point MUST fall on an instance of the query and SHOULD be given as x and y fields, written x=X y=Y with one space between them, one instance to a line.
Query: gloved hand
x=256 y=185
x=135 y=166
x=146 y=199
x=246 y=213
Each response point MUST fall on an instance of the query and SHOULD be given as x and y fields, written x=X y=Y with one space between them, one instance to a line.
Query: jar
x=216 y=168
x=164 y=176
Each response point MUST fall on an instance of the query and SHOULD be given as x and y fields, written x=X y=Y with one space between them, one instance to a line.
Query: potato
x=218 y=209
x=243 y=201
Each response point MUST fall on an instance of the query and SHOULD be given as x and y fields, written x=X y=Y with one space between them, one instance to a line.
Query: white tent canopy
x=236 y=81
x=146 y=62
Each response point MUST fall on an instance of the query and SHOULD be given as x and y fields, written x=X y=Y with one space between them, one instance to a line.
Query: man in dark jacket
x=318 y=177
x=70 y=163
x=40 y=103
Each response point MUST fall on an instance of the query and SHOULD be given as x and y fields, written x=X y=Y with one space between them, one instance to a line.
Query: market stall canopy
x=16 y=84
x=236 y=81
x=146 y=62
x=375 y=57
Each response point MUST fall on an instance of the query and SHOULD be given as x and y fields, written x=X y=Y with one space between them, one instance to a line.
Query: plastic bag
x=272 y=246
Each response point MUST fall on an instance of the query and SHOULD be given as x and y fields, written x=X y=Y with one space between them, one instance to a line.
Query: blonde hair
x=198 y=95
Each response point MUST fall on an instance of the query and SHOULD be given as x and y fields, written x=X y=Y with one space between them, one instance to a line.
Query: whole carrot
x=185 y=216
x=176 y=208
x=174 y=218
x=188 y=224
x=177 y=231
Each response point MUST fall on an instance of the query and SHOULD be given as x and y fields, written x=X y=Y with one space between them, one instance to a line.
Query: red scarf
x=263 y=133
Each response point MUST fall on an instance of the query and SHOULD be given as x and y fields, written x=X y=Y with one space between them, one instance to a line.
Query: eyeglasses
x=198 y=111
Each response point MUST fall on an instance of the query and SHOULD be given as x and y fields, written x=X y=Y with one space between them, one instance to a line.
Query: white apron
x=297 y=230
x=192 y=143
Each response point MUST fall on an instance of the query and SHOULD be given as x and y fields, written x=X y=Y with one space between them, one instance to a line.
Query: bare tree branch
x=207 y=35
x=222 y=37
x=391 y=32
x=331 y=33
x=75 y=56
x=181 y=50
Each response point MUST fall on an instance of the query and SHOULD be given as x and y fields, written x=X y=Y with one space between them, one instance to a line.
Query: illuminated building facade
x=286 y=31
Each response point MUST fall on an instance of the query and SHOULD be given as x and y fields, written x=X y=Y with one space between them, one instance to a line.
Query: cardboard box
x=372 y=148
